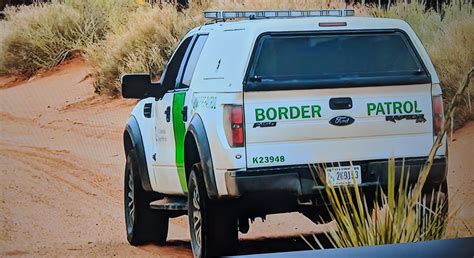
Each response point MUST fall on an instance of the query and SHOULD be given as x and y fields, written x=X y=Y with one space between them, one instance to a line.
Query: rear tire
x=143 y=224
x=213 y=226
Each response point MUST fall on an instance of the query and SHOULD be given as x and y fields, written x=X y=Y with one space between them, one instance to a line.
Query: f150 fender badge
x=341 y=120
x=264 y=124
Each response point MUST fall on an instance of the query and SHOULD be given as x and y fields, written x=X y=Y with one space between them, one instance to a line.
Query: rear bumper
x=299 y=181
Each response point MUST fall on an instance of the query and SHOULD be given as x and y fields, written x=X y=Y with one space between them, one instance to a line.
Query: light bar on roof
x=266 y=14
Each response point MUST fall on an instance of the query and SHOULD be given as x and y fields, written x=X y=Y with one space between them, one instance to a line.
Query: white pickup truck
x=250 y=99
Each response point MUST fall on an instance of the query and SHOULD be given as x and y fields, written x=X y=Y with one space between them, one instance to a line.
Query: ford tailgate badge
x=341 y=120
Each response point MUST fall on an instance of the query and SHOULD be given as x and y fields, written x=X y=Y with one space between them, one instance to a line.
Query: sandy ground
x=61 y=176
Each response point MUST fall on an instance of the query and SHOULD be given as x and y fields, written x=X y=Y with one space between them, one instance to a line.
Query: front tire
x=213 y=226
x=143 y=224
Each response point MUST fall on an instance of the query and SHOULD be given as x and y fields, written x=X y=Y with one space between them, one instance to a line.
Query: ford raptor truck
x=248 y=100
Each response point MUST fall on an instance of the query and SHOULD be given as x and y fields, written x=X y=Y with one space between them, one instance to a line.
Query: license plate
x=337 y=176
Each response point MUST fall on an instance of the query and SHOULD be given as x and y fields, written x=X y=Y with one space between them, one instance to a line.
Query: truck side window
x=192 y=61
x=172 y=69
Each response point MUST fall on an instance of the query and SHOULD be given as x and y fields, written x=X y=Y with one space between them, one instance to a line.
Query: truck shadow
x=280 y=244
x=264 y=245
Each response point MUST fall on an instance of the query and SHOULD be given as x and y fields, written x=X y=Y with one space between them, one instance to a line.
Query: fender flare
x=133 y=130
x=196 y=128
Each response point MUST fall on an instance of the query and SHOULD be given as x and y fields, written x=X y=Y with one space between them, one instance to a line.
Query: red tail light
x=438 y=116
x=234 y=126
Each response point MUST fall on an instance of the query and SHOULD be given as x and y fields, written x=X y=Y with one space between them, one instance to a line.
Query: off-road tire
x=213 y=226
x=143 y=224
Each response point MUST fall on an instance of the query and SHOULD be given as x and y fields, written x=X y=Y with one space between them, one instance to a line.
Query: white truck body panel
x=210 y=107
x=147 y=133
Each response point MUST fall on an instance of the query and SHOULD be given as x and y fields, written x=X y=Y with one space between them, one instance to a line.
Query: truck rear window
x=283 y=61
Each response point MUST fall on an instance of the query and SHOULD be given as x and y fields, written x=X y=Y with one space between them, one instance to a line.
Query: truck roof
x=305 y=24
x=230 y=43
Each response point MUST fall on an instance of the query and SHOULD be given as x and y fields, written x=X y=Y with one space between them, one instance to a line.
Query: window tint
x=172 y=69
x=192 y=61
x=336 y=58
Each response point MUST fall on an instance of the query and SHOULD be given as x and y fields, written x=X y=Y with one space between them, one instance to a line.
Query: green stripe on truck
x=179 y=131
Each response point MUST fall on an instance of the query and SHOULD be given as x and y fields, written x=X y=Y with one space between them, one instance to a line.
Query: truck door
x=168 y=180
x=181 y=99
x=172 y=117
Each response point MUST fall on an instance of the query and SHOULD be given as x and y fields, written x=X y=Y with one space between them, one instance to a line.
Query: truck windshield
x=284 y=61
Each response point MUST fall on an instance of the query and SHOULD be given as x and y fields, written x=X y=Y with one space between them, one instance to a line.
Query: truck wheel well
x=127 y=142
x=191 y=154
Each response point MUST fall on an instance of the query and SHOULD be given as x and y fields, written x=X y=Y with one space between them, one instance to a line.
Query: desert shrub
x=44 y=35
x=144 y=44
x=4 y=31
x=400 y=214
x=452 y=54
x=35 y=42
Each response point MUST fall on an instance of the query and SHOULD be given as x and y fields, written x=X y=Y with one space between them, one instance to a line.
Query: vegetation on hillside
x=143 y=44
x=44 y=35
x=118 y=36
x=448 y=37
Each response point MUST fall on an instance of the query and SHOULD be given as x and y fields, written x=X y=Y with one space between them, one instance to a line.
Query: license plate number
x=337 y=176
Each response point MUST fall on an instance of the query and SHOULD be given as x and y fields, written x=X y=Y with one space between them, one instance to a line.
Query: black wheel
x=213 y=226
x=143 y=224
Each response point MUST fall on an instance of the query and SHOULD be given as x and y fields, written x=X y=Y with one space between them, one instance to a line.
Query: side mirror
x=139 y=86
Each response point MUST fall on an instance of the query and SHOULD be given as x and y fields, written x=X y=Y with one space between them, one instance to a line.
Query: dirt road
x=62 y=166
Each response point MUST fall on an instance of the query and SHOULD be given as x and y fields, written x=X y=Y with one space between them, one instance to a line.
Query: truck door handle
x=184 y=113
x=168 y=114
x=340 y=103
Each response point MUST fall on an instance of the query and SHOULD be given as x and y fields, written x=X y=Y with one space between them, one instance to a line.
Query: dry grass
x=401 y=214
x=144 y=44
x=448 y=37
x=44 y=35
x=451 y=55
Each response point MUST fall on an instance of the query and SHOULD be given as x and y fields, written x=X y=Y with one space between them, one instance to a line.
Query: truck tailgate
x=340 y=124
